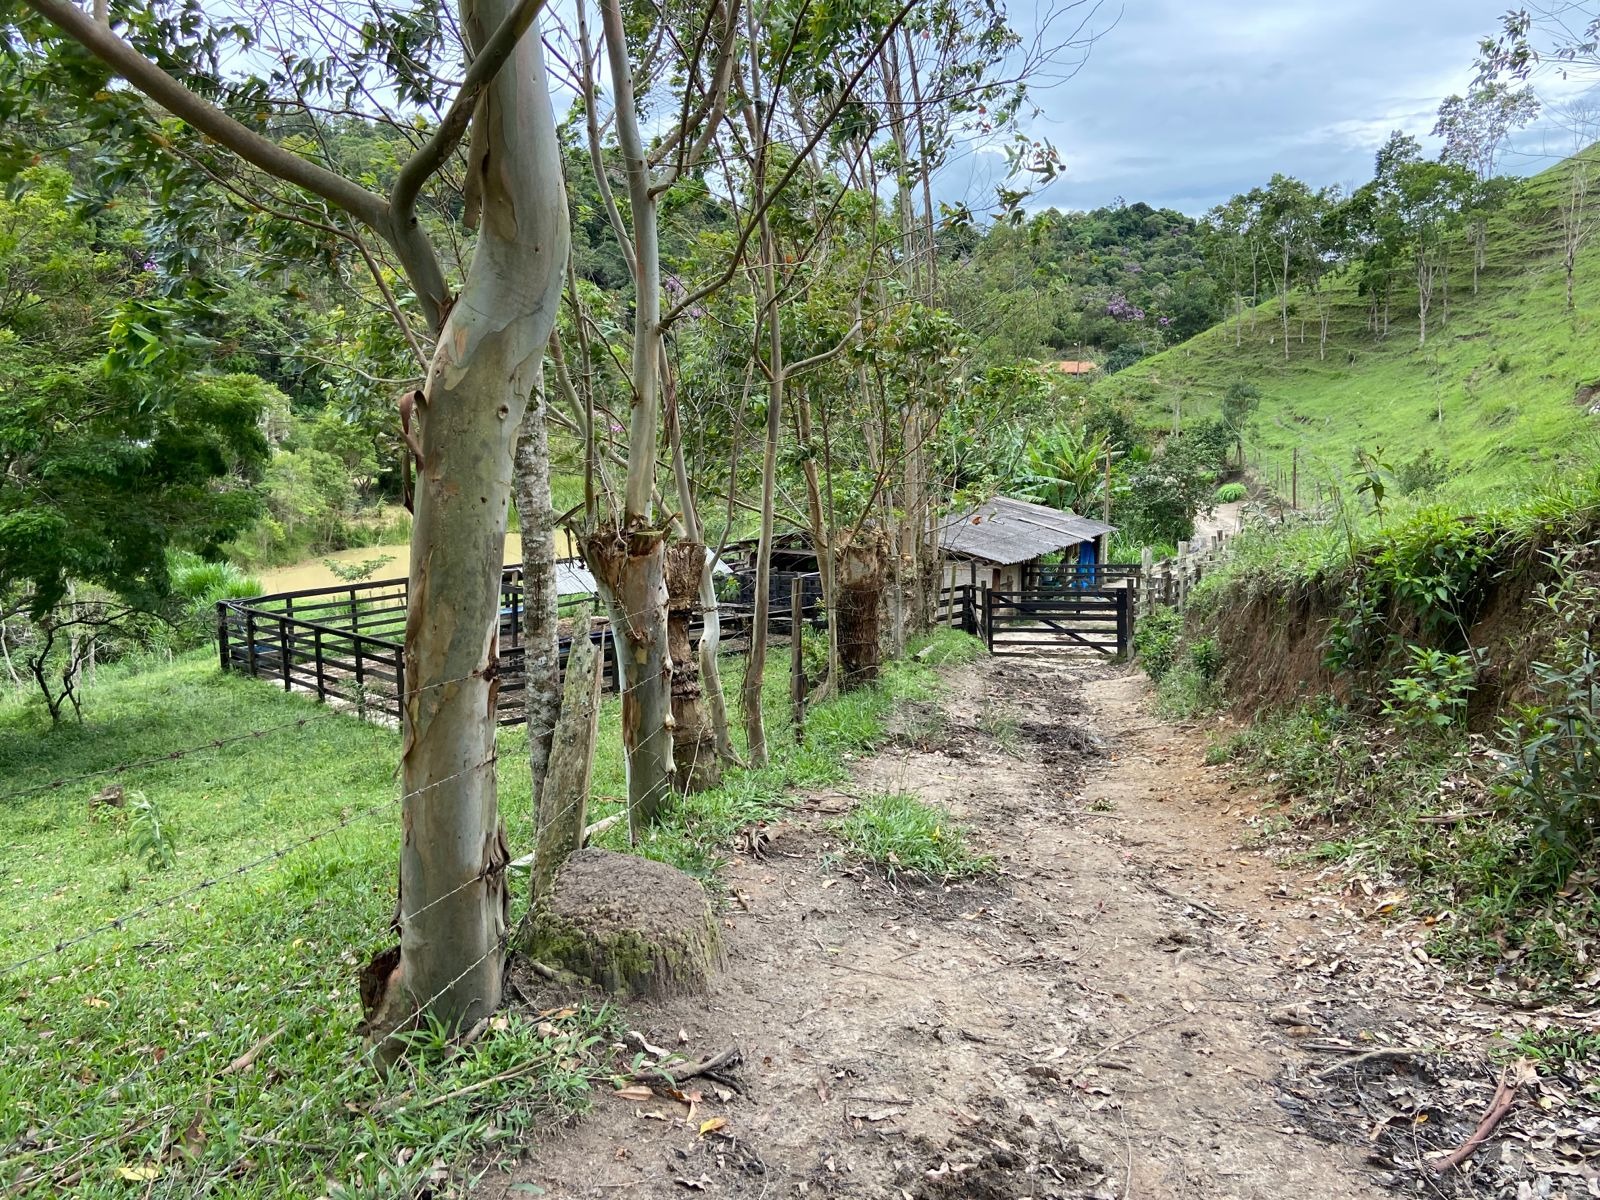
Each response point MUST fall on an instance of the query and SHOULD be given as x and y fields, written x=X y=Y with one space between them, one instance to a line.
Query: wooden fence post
x=283 y=651
x=986 y=617
x=361 y=677
x=1147 y=563
x=797 y=662
x=250 y=640
x=316 y=649
x=563 y=794
x=222 y=634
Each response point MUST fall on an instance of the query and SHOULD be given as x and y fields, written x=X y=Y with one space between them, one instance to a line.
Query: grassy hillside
x=1499 y=392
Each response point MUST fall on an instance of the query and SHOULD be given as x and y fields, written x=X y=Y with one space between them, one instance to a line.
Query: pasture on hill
x=1503 y=393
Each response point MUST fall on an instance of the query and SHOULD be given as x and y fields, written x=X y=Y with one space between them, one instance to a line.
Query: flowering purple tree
x=1120 y=308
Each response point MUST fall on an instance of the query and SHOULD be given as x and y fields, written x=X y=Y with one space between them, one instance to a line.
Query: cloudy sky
x=1183 y=103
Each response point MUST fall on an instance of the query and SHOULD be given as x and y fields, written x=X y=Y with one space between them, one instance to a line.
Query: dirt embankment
x=1135 y=1005
x=1274 y=646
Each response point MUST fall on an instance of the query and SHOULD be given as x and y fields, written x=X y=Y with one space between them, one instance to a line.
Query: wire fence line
x=266 y=859
x=360 y=1064
x=61 y=1173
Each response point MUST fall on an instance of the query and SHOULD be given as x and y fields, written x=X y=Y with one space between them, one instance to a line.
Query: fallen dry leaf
x=143 y=1173
x=636 y=1091
x=712 y=1124
x=694 y=1185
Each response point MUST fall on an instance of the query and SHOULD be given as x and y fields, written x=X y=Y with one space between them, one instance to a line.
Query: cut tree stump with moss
x=631 y=925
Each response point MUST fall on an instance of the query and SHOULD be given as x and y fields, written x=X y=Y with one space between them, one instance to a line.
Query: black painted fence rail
x=344 y=643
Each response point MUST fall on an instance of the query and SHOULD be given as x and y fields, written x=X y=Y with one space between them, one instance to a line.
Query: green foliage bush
x=1551 y=759
x=1156 y=640
x=1430 y=697
x=1160 y=497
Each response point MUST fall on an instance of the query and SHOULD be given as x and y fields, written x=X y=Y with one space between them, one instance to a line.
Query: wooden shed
x=1003 y=542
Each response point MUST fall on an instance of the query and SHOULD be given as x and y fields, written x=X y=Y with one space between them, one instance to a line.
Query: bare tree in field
x=490 y=332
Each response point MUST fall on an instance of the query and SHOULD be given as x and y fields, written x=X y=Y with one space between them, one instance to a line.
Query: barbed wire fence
x=48 y=1157
x=64 y=1168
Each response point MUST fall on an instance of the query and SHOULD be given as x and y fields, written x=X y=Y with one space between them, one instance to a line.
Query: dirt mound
x=632 y=925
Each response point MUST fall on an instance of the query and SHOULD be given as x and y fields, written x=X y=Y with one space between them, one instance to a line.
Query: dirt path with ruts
x=1125 y=1010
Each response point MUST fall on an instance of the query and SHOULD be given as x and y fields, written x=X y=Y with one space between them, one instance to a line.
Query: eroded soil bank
x=1137 y=1004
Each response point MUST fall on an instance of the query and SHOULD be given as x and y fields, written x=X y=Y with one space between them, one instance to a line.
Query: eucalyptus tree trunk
x=462 y=429
x=821 y=539
x=697 y=701
x=696 y=763
x=630 y=570
x=627 y=558
x=755 y=725
x=453 y=901
x=541 y=645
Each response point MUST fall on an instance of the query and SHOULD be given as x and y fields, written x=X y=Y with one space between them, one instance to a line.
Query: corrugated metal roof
x=1005 y=531
x=574 y=579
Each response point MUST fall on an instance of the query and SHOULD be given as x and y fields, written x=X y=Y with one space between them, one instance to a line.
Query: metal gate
x=1061 y=618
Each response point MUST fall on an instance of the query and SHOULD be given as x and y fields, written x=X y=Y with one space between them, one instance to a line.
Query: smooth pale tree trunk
x=755 y=726
x=822 y=540
x=628 y=559
x=453 y=901
x=540 y=634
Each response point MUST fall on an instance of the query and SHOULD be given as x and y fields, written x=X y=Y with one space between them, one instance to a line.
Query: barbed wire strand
x=363 y=1061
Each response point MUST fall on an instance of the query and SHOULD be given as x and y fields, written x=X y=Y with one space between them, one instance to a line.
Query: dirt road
x=1128 y=1009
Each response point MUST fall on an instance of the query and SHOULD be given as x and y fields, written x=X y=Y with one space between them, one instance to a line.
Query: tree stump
x=633 y=926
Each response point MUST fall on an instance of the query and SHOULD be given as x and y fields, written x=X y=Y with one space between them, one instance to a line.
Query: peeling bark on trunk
x=860 y=565
x=715 y=712
x=540 y=635
x=694 y=743
x=630 y=571
x=453 y=900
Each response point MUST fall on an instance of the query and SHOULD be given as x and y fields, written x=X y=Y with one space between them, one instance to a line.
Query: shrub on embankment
x=1423 y=690
x=1336 y=607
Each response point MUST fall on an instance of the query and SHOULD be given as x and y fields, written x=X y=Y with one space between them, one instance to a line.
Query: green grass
x=111 y=1051
x=903 y=834
x=1368 y=800
x=1493 y=394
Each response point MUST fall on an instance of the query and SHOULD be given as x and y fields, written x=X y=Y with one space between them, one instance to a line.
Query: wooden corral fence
x=346 y=643
x=1169 y=581
x=1059 y=618
x=1093 y=611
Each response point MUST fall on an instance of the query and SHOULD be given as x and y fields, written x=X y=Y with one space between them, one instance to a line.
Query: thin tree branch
x=166 y=91
x=458 y=117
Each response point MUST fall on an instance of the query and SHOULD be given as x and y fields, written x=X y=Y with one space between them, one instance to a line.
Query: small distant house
x=1070 y=366
x=1003 y=542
